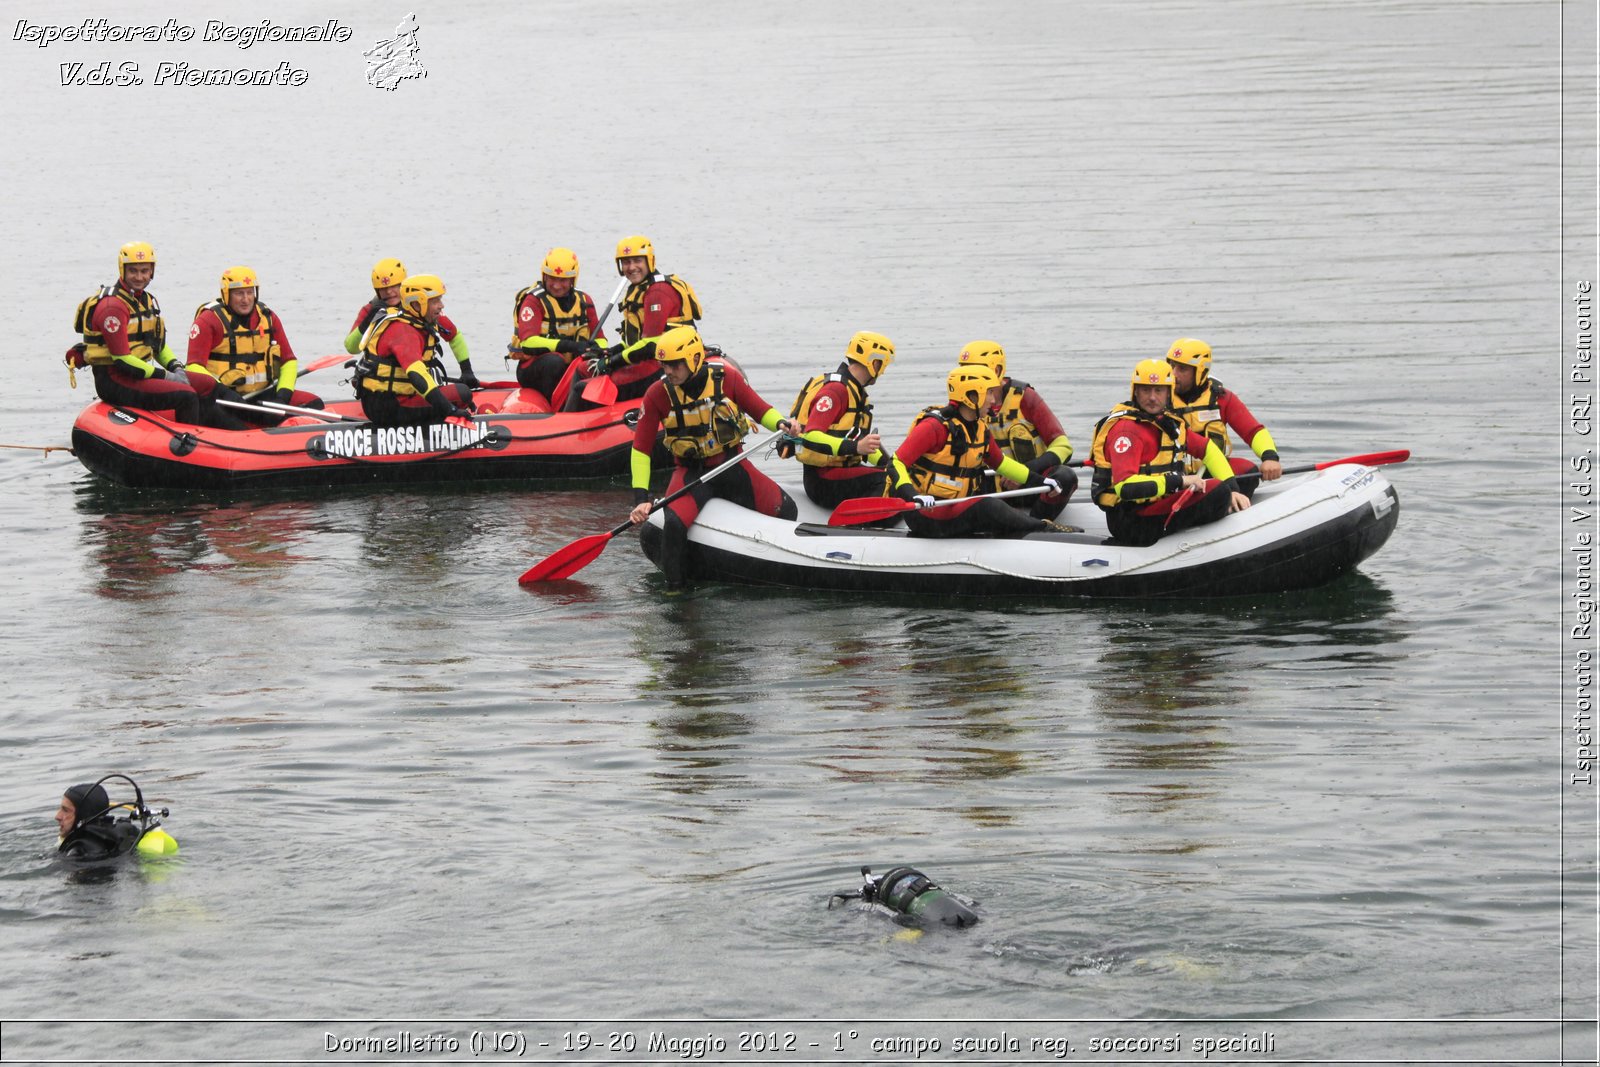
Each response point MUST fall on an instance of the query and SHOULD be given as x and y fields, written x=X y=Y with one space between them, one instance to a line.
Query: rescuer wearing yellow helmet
x=398 y=377
x=701 y=409
x=653 y=304
x=1139 y=455
x=239 y=348
x=387 y=276
x=556 y=322
x=944 y=457
x=1028 y=431
x=1210 y=408
x=124 y=343
x=842 y=454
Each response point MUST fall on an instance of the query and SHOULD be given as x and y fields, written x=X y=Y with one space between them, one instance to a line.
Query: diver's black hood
x=90 y=800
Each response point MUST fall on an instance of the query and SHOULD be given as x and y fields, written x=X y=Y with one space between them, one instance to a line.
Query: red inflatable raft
x=516 y=436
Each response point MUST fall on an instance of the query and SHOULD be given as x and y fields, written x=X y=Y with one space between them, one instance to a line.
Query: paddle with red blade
x=600 y=390
x=569 y=560
x=1369 y=459
x=872 y=508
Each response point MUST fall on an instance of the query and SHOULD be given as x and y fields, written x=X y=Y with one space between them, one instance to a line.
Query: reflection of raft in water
x=521 y=439
x=1301 y=532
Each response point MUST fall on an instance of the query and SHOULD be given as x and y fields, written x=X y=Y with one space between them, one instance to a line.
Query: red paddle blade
x=1371 y=459
x=325 y=361
x=600 y=390
x=868 y=509
x=460 y=420
x=567 y=561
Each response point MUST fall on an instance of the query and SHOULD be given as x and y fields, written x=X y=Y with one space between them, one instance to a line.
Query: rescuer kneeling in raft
x=700 y=408
x=398 y=379
x=555 y=323
x=1139 y=458
x=238 y=349
x=1028 y=431
x=387 y=277
x=92 y=828
x=1209 y=407
x=944 y=457
x=842 y=454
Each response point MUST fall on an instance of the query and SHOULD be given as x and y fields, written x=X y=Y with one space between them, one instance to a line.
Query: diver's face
x=66 y=815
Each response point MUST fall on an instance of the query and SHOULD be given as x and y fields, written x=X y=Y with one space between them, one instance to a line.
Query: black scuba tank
x=909 y=892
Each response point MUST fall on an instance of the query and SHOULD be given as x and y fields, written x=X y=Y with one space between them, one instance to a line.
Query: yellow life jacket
x=633 y=306
x=1167 y=460
x=559 y=322
x=1018 y=437
x=955 y=471
x=703 y=424
x=245 y=359
x=856 y=416
x=382 y=373
x=147 y=333
x=1203 y=415
x=570 y=323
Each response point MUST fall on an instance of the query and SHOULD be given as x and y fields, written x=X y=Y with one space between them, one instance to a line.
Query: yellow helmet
x=1191 y=352
x=636 y=245
x=560 y=263
x=238 y=278
x=418 y=291
x=970 y=384
x=1153 y=372
x=873 y=351
x=387 y=272
x=137 y=252
x=986 y=353
x=682 y=343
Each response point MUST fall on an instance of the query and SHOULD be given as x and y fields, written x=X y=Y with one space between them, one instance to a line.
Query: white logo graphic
x=1122 y=445
x=113 y=324
x=194 y=331
x=392 y=61
x=527 y=314
x=825 y=404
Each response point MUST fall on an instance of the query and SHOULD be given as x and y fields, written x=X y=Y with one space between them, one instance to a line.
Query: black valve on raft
x=910 y=894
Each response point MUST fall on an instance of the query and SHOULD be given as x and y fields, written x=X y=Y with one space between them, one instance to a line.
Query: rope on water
x=46 y=449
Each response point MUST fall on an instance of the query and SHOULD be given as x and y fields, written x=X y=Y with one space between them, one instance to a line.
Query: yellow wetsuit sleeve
x=822 y=441
x=1262 y=443
x=1144 y=488
x=1217 y=464
x=1013 y=470
x=1061 y=448
x=770 y=419
x=639 y=466
x=538 y=344
x=458 y=345
x=139 y=359
x=630 y=354
x=352 y=342
x=899 y=476
x=421 y=380
x=289 y=374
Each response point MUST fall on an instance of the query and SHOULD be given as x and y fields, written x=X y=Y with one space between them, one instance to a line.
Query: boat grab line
x=1183 y=546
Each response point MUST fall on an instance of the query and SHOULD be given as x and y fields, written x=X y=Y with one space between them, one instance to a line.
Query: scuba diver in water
x=92 y=828
x=913 y=897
